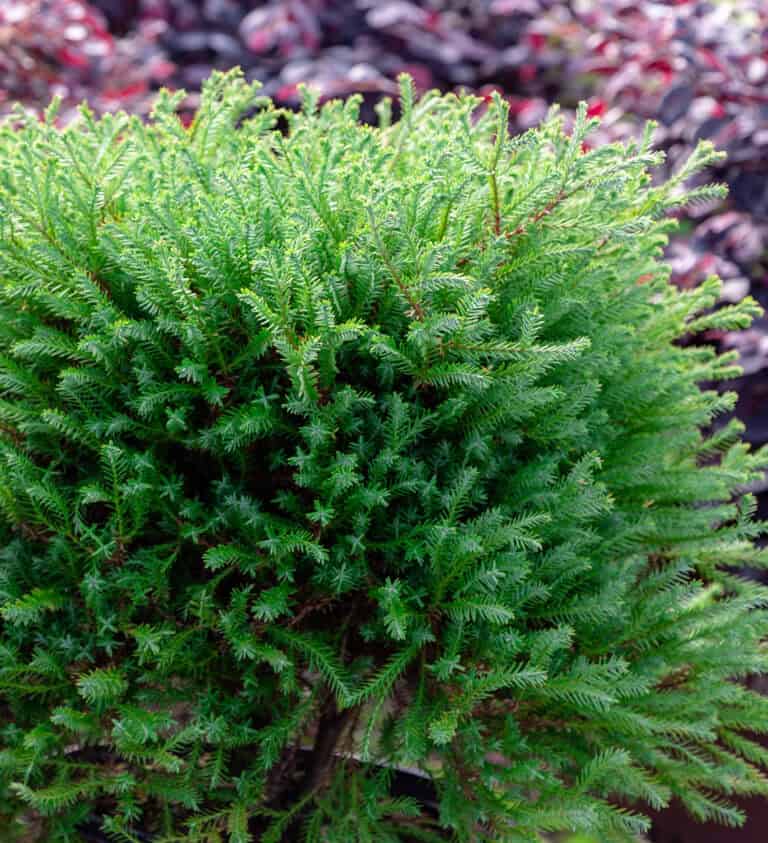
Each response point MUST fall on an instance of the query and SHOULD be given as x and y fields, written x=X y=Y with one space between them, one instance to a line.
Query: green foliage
x=333 y=451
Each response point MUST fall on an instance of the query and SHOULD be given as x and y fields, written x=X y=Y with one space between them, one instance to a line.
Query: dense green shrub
x=335 y=450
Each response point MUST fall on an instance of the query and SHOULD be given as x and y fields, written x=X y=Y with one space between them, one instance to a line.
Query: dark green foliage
x=345 y=450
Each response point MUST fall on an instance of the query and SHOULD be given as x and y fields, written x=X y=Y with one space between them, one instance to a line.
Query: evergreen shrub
x=330 y=451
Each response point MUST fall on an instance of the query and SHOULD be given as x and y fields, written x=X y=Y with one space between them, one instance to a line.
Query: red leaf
x=596 y=108
x=260 y=40
x=127 y=92
x=711 y=59
x=72 y=58
x=286 y=92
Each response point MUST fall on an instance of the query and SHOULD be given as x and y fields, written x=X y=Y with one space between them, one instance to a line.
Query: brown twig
x=493 y=183
x=416 y=308
x=545 y=211
x=309 y=608
x=330 y=730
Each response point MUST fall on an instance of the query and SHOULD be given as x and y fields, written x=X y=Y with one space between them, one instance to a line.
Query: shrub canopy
x=335 y=450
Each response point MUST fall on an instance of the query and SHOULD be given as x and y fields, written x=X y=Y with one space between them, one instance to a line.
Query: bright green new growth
x=340 y=450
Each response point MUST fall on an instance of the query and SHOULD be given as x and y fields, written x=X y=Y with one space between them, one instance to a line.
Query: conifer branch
x=539 y=215
x=416 y=309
